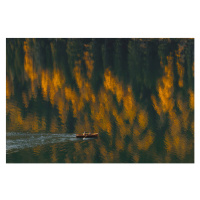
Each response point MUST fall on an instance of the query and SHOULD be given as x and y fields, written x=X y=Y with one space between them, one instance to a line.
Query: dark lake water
x=138 y=94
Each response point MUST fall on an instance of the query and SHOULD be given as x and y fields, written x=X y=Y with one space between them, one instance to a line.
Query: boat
x=87 y=135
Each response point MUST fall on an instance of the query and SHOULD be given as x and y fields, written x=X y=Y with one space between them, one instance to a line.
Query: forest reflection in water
x=137 y=93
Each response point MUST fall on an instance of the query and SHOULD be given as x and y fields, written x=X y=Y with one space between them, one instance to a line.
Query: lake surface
x=138 y=94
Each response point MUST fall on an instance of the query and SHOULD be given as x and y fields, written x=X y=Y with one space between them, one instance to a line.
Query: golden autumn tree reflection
x=176 y=138
x=63 y=98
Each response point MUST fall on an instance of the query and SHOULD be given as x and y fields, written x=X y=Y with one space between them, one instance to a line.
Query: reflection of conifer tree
x=121 y=64
x=46 y=58
x=97 y=73
x=74 y=53
x=109 y=53
x=189 y=61
x=144 y=65
x=71 y=121
x=48 y=115
x=164 y=50
x=15 y=57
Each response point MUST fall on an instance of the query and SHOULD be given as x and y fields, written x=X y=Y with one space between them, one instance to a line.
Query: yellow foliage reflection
x=176 y=141
x=89 y=63
x=9 y=88
x=143 y=119
x=191 y=93
x=166 y=88
x=179 y=63
x=146 y=142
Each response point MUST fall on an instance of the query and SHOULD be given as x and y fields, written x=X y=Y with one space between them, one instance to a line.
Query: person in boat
x=85 y=134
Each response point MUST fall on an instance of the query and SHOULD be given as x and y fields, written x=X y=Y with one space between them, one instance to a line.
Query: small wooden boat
x=87 y=135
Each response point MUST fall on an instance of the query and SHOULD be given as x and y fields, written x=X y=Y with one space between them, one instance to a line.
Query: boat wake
x=19 y=141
